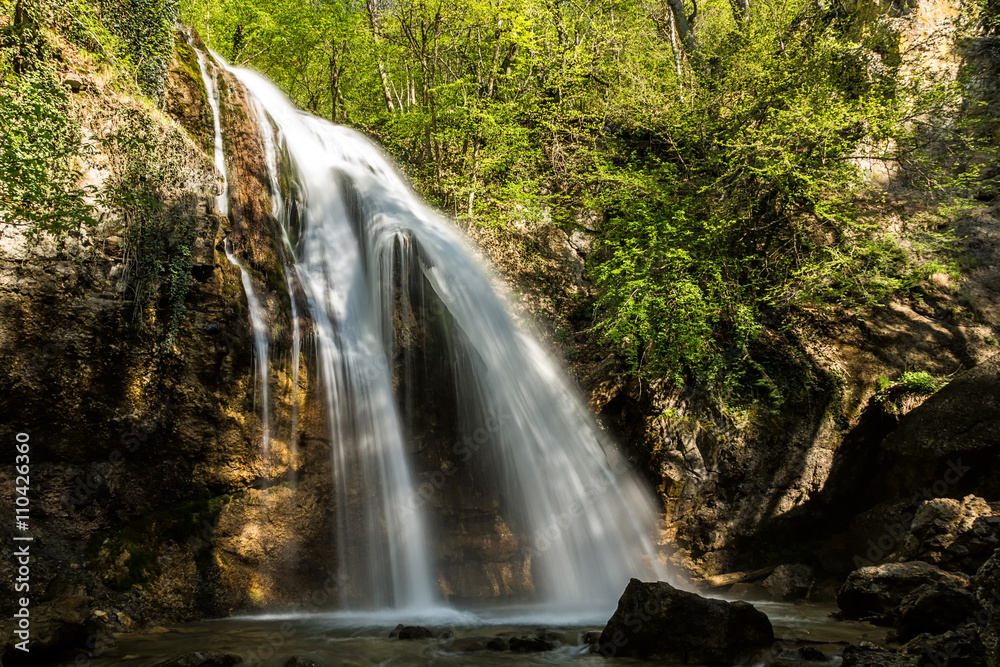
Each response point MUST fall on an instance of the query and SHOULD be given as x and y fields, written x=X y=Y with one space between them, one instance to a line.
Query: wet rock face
x=874 y=593
x=934 y=609
x=657 y=620
x=204 y=659
x=478 y=552
x=870 y=655
x=149 y=457
x=986 y=587
x=184 y=93
x=954 y=535
x=952 y=441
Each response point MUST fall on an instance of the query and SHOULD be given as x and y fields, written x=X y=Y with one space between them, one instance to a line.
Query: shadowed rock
x=873 y=593
x=657 y=620
x=410 y=632
x=299 y=661
x=203 y=659
x=869 y=655
x=934 y=608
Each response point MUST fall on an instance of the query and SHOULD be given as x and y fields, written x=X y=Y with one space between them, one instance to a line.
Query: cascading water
x=260 y=346
x=222 y=205
x=381 y=272
x=212 y=92
x=281 y=213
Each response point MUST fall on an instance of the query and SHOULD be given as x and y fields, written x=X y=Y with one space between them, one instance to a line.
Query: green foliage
x=749 y=197
x=40 y=143
x=920 y=382
x=917 y=383
x=730 y=172
x=149 y=164
x=146 y=32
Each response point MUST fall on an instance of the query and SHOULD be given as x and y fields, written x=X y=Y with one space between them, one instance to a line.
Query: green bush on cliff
x=721 y=153
x=750 y=196
x=146 y=31
x=40 y=144
x=147 y=186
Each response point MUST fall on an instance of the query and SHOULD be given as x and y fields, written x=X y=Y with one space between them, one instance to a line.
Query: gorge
x=280 y=404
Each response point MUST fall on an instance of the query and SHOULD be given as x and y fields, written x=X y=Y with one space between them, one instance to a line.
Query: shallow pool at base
x=362 y=639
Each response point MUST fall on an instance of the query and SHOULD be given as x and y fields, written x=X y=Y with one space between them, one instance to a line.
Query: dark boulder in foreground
x=299 y=661
x=955 y=648
x=410 y=632
x=61 y=629
x=866 y=654
x=875 y=592
x=654 y=619
x=934 y=609
x=986 y=587
x=203 y=659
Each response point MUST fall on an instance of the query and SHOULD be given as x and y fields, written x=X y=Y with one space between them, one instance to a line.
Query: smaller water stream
x=260 y=346
x=212 y=91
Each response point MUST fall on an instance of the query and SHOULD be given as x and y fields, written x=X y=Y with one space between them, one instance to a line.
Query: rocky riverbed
x=805 y=634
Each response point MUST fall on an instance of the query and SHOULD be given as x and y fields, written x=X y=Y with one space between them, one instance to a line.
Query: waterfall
x=281 y=213
x=395 y=295
x=222 y=205
x=212 y=92
x=260 y=346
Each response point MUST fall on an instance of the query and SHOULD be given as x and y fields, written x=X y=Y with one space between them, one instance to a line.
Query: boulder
x=986 y=588
x=789 y=582
x=950 y=442
x=934 y=608
x=873 y=593
x=203 y=659
x=411 y=632
x=74 y=82
x=954 y=535
x=867 y=654
x=654 y=619
x=496 y=644
x=804 y=654
x=526 y=644
x=955 y=648
x=975 y=546
x=61 y=629
x=299 y=661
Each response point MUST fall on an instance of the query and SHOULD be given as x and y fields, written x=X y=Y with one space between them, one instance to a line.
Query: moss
x=130 y=556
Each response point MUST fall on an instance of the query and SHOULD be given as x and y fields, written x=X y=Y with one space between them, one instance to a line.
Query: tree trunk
x=334 y=82
x=741 y=10
x=376 y=38
x=25 y=38
x=684 y=25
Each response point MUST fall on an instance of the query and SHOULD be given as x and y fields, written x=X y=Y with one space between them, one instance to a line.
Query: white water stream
x=372 y=259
